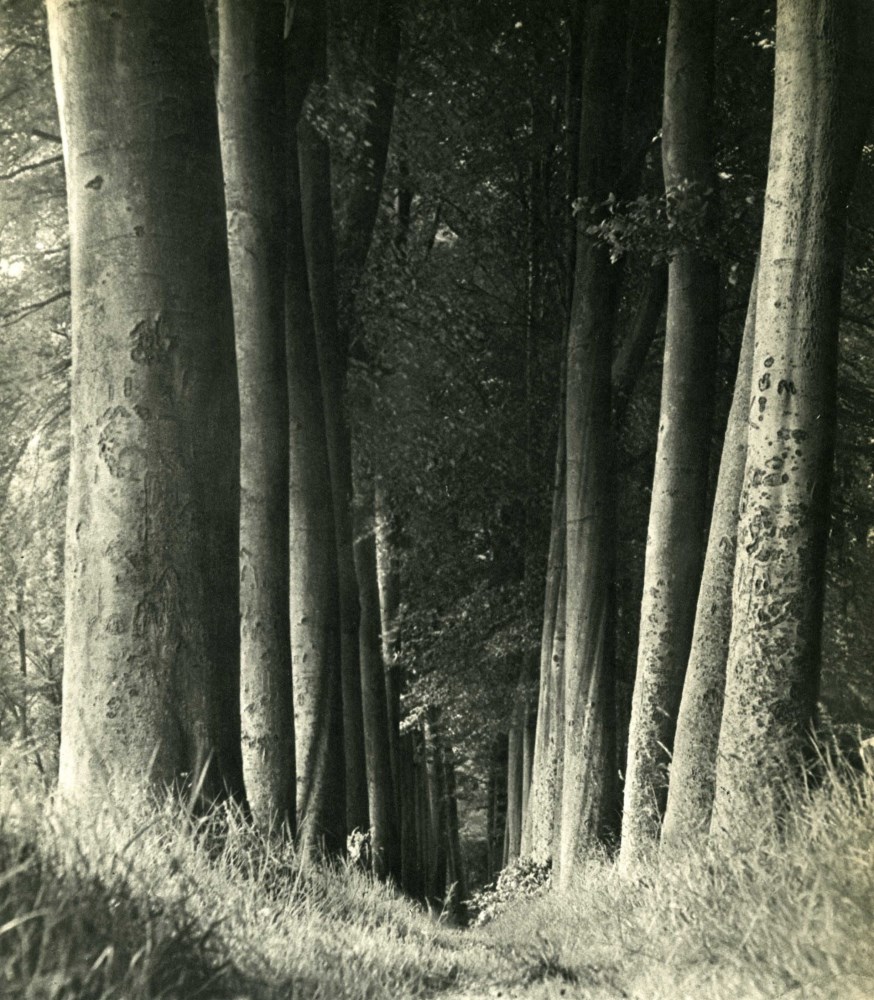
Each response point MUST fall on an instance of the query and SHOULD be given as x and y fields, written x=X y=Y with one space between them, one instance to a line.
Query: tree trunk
x=314 y=586
x=318 y=227
x=151 y=627
x=675 y=537
x=388 y=580
x=384 y=826
x=436 y=871
x=514 y=781
x=821 y=106
x=628 y=363
x=693 y=766
x=409 y=756
x=538 y=830
x=455 y=866
x=497 y=807
x=589 y=802
x=250 y=91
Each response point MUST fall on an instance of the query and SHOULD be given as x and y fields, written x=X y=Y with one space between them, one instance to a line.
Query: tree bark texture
x=384 y=824
x=693 y=765
x=821 y=106
x=677 y=519
x=389 y=583
x=318 y=228
x=314 y=589
x=537 y=830
x=251 y=109
x=589 y=804
x=151 y=620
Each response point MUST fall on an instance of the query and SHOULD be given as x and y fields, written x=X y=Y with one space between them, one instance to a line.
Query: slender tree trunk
x=497 y=806
x=318 y=226
x=675 y=538
x=456 y=873
x=539 y=817
x=589 y=800
x=628 y=363
x=409 y=754
x=437 y=870
x=151 y=633
x=251 y=120
x=388 y=580
x=822 y=99
x=693 y=765
x=360 y=212
x=314 y=585
x=514 y=780
x=384 y=825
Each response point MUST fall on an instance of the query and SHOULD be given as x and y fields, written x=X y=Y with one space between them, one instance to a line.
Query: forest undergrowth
x=157 y=903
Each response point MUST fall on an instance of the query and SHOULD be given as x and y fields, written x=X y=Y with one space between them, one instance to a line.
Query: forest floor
x=167 y=906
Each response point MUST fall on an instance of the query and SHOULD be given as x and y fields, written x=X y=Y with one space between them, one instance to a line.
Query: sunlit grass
x=156 y=903
x=789 y=916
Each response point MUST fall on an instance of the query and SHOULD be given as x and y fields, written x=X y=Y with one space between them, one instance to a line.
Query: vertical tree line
x=234 y=542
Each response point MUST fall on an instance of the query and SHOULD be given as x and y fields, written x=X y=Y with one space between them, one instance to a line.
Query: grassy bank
x=161 y=905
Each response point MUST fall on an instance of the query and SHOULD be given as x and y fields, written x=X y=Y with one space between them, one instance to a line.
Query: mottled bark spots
x=151 y=341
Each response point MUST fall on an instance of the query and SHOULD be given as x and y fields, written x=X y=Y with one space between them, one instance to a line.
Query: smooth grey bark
x=251 y=120
x=151 y=616
x=314 y=585
x=389 y=583
x=318 y=226
x=677 y=518
x=822 y=102
x=537 y=833
x=589 y=805
x=693 y=765
x=384 y=823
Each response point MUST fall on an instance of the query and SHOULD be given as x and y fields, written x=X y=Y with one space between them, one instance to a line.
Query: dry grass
x=157 y=904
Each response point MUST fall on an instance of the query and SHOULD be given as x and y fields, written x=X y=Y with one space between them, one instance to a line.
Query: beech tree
x=252 y=124
x=151 y=640
x=314 y=581
x=589 y=807
x=693 y=764
x=821 y=108
x=675 y=539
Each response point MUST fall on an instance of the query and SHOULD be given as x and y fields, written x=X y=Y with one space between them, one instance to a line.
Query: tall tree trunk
x=384 y=825
x=409 y=757
x=514 y=775
x=635 y=345
x=497 y=806
x=537 y=831
x=314 y=586
x=455 y=866
x=436 y=871
x=360 y=212
x=675 y=537
x=318 y=226
x=251 y=120
x=822 y=98
x=388 y=580
x=151 y=633
x=693 y=765
x=589 y=803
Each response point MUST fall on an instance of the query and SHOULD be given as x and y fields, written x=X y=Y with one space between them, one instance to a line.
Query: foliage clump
x=521 y=879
